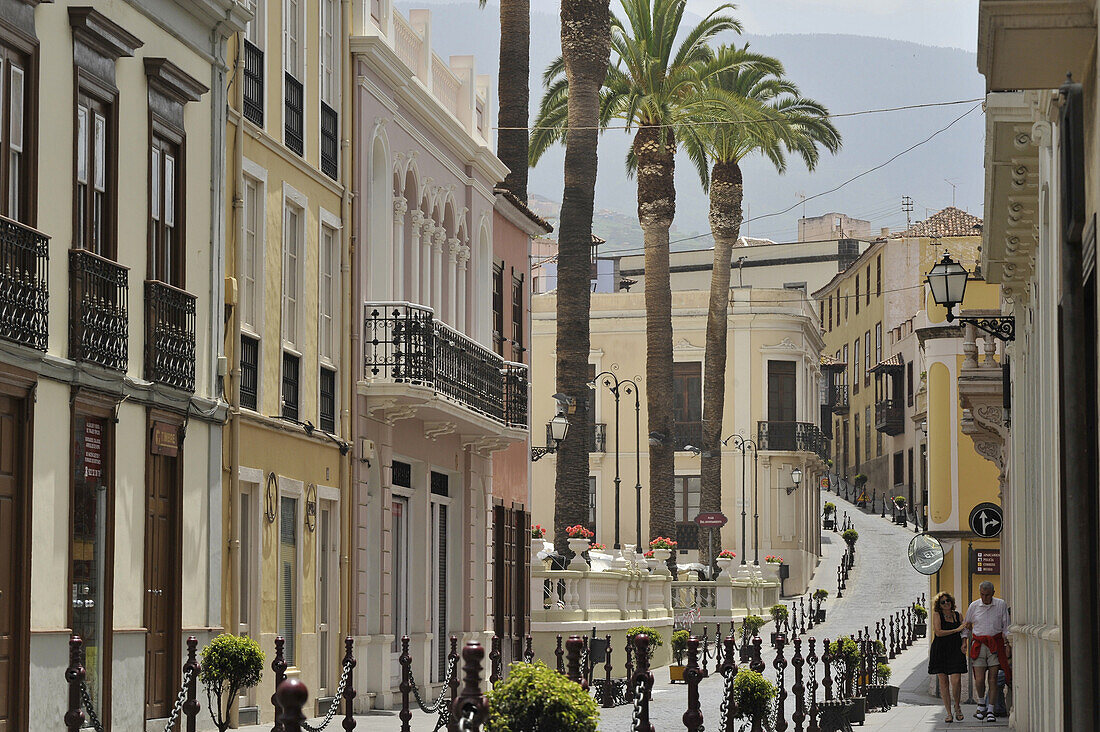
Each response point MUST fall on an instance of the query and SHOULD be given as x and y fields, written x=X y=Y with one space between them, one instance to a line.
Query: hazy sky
x=934 y=22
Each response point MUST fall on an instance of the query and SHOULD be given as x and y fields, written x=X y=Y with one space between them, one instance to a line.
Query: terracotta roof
x=829 y=362
x=523 y=208
x=948 y=222
x=890 y=364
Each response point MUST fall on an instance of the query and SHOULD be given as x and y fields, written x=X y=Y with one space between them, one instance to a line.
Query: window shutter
x=441 y=619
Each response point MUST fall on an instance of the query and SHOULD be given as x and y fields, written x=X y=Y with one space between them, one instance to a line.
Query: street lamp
x=796 y=478
x=947 y=281
x=559 y=428
x=614 y=385
x=744 y=445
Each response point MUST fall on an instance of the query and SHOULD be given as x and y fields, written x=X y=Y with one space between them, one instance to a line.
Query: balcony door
x=248 y=591
x=14 y=568
x=399 y=578
x=165 y=219
x=782 y=395
x=328 y=599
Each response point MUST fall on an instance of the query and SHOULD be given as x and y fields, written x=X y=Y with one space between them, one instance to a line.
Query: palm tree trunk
x=726 y=195
x=513 y=92
x=655 y=148
x=586 y=50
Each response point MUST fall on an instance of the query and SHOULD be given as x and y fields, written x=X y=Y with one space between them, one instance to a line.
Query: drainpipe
x=347 y=344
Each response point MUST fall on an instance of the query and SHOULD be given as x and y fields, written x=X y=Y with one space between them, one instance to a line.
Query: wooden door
x=161 y=579
x=781 y=391
x=12 y=567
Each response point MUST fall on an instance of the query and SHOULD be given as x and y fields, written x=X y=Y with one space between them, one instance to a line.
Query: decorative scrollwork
x=270 y=493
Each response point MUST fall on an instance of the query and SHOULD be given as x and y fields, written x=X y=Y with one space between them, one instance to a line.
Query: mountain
x=846 y=73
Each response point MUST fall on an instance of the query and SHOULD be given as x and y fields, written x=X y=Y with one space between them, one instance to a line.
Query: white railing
x=407 y=42
x=445 y=85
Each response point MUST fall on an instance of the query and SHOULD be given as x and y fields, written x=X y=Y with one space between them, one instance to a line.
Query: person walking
x=986 y=621
x=946 y=660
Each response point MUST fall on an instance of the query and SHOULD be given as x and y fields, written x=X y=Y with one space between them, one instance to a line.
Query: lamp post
x=559 y=428
x=744 y=445
x=613 y=384
x=947 y=281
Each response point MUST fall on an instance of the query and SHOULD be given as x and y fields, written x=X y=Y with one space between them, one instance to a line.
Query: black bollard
x=693 y=717
x=839 y=583
x=893 y=640
x=278 y=665
x=574 y=646
x=827 y=661
x=608 y=697
x=452 y=663
x=494 y=661
x=629 y=694
x=705 y=655
x=757 y=664
x=405 y=661
x=798 y=716
x=471 y=698
x=529 y=653
x=291 y=696
x=74 y=677
x=643 y=681
x=718 y=648
x=191 y=706
x=729 y=663
x=559 y=654
x=349 y=688
x=780 y=665
x=811 y=662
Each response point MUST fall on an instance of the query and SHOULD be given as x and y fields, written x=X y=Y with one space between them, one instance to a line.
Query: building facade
x=110 y=381
x=288 y=455
x=774 y=344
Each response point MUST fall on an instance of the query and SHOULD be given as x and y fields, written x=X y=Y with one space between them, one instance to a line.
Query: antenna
x=802 y=195
x=950 y=182
x=907 y=207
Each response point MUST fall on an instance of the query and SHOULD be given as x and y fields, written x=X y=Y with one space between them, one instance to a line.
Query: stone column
x=427 y=268
x=439 y=238
x=451 y=306
x=400 y=206
x=413 y=265
x=460 y=295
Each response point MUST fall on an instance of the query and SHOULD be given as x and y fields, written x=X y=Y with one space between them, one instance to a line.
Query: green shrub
x=850 y=536
x=883 y=671
x=230 y=663
x=752 y=695
x=752 y=623
x=880 y=648
x=920 y=612
x=860 y=480
x=779 y=612
x=820 y=594
x=680 y=644
x=829 y=508
x=845 y=656
x=655 y=639
x=535 y=698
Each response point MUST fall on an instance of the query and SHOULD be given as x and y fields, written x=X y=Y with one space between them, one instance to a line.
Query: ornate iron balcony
x=792 y=436
x=24 y=306
x=253 y=84
x=293 y=114
x=330 y=147
x=98 y=310
x=404 y=343
x=890 y=416
x=169 y=335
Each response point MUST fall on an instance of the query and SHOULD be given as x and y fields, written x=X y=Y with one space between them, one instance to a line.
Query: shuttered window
x=440 y=577
x=14 y=137
x=288 y=574
x=253 y=255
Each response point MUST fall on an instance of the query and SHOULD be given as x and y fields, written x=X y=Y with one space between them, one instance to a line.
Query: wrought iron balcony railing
x=839 y=398
x=253 y=84
x=294 y=114
x=169 y=335
x=404 y=343
x=890 y=416
x=98 y=310
x=330 y=148
x=597 y=436
x=793 y=436
x=24 y=295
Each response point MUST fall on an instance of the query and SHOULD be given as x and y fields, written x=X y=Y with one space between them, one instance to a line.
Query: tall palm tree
x=754 y=111
x=586 y=47
x=514 y=92
x=653 y=85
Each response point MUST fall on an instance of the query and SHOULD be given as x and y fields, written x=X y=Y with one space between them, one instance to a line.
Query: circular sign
x=925 y=553
x=986 y=520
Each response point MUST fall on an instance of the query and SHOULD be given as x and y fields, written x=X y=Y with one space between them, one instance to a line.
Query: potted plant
x=880 y=651
x=655 y=640
x=845 y=658
x=883 y=671
x=850 y=537
x=533 y=696
x=752 y=698
x=828 y=516
x=779 y=613
x=770 y=570
x=820 y=595
x=230 y=664
x=579 y=539
x=679 y=647
x=539 y=544
x=750 y=628
x=920 y=627
x=662 y=548
x=650 y=560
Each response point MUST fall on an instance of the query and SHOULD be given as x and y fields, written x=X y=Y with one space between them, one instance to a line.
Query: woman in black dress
x=946 y=658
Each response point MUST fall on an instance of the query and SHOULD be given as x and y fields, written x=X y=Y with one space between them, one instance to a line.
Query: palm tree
x=586 y=47
x=513 y=92
x=654 y=86
x=754 y=111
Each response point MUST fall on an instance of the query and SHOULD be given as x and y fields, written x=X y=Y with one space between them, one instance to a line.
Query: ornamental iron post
x=191 y=706
x=278 y=665
x=529 y=652
x=574 y=647
x=608 y=697
x=780 y=665
x=349 y=689
x=470 y=696
x=452 y=664
x=811 y=662
x=706 y=653
x=74 y=677
x=797 y=661
x=405 y=661
x=291 y=695
x=629 y=695
x=644 y=680
x=693 y=717
x=559 y=654
x=757 y=664
x=494 y=661
x=826 y=662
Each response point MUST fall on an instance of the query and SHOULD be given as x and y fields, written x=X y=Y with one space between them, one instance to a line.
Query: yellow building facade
x=287 y=298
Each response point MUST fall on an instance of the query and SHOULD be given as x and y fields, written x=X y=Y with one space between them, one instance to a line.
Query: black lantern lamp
x=796 y=478
x=558 y=430
x=947 y=281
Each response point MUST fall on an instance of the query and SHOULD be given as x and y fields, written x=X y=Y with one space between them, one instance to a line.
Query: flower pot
x=651 y=563
x=877 y=698
x=858 y=711
x=920 y=629
x=726 y=566
x=578 y=547
x=675 y=673
x=661 y=556
x=892 y=695
x=770 y=571
x=820 y=616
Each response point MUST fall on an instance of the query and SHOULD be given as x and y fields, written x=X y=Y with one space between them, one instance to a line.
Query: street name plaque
x=711 y=520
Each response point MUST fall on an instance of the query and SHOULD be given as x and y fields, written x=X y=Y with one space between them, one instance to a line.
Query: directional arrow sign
x=711 y=520
x=986 y=520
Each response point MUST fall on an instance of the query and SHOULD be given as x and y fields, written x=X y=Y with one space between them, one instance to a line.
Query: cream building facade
x=111 y=394
x=771 y=397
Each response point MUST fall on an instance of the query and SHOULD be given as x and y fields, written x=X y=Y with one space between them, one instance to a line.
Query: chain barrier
x=438 y=705
x=467 y=722
x=333 y=708
x=180 y=699
x=636 y=715
x=727 y=690
x=87 y=701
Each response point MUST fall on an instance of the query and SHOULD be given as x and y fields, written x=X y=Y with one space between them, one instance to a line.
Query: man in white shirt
x=986 y=621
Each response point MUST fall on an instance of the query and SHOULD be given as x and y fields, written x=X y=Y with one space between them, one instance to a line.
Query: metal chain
x=467 y=722
x=442 y=692
x=180 y=698
x=335 y=702
x=639 y=691
x=87 y=701
x=727 y=689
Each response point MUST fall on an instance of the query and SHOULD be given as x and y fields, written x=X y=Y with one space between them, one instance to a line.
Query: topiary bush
x=821 y=594
x=679 y=645
x=230 y=663
x=830 y=507
x=535 y=698
x=779 y=612
x=752 y=624
x=920 y=612
x=655 y=639
x=850 y=536
x=752 y=696
x=883 y=672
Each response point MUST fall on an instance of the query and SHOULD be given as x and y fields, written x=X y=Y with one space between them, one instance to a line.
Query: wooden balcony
x=890 y=416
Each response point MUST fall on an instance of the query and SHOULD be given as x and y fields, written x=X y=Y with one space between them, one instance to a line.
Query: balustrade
x=98 y=310
x=24 y=295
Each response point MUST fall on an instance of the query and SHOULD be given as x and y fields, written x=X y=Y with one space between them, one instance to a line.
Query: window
x=857 y=293
x=329 y=55
x=878 y=343
x=782 y=398
x=846 y=299
x=868 y=296
x=592 y=503
x=291 y=36
x=909 y=383
x=838 y=307
x=687 y=403
x=328 y=400
x=517 y=319
x=899 y=468
x=250 y=372
x=255 y=32
x=253 y=59
x=821 y=313
x=799 y=286
x=867 y=365
x=327 y=298
x=251 y=277
x=288 y=575
x=292 y=273
x=855 y=367
x=878 y=275
x=830 y=314
x=867 y=432
x=165 y=250
x=856 y=435
x=845 y=359
x=15 y=135
x=94 y=207
x=498 y=307
x=687 y=491
x=291 y=366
